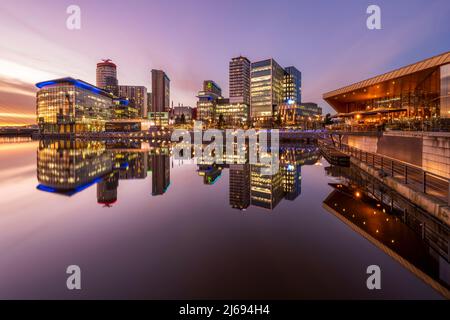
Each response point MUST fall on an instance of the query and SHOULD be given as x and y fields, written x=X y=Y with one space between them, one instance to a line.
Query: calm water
x=142 y=225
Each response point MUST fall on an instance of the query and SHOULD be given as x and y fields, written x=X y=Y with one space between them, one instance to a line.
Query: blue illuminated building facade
x=68 y=105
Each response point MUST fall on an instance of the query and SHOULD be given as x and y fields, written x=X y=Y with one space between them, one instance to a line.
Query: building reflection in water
x=249 y=186
x=405 y=232
x=239 y=193
x=69 y=166
x=107 y=189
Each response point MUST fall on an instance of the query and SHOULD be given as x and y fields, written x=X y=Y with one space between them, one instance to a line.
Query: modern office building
x=107 y=77
x=160 y=91
x=297 y=114
x=292 y=86
x=68 y=105
x=137 y=95
x=182 y=114
x=207 y=102
x=160 y=107
x=239 y=193
x=239 y=73
x=415 y=97
x=266 y=90
x=231 y=114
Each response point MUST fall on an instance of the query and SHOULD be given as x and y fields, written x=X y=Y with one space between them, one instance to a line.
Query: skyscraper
x=107 y=76
x=72 y=106
x=160 y=91
x=292 y=85
x=240 y=80
x=137 y=95
x=266 y=90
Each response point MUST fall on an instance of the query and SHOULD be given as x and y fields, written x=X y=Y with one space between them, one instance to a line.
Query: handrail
x=427 y=182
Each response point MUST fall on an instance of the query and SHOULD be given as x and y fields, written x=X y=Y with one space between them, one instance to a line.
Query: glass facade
x=414 y=97
x=292 y=85
x=137 y=95
x=240 y=80
x=72 y=107
x=266 y=90
x=207 y=102
x=232 y=114
x=445 y=91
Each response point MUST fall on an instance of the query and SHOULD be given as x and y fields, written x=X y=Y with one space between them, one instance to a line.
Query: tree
x=327 y=121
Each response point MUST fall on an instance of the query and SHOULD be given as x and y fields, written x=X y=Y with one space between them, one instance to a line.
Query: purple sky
x=193 y=40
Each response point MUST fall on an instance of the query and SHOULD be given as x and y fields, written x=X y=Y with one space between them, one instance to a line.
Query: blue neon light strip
x=77 y=83
x=69 y=193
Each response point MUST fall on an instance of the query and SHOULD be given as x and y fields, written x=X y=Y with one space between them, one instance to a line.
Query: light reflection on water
x=143 y=225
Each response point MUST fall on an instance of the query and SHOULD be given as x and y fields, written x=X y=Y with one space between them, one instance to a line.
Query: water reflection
x=68 y=167
x=410 y=236
x=405 y=232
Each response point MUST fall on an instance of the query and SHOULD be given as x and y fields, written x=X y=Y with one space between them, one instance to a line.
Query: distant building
x=292 y=85
x=137 y=95
x=149 y=103
x=160 y=107
x=68 y=105
x=160 y=91
x=266 y=92
x=207 y=102
x=239 y=73
x=181 y=112
x=294 y=114
x=107 y=77
x=231 y=114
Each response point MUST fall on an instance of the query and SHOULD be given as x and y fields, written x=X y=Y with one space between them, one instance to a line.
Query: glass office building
x=292 y=85
x=72 y=106
x=231 y=114
x=266 y=90
x=207 y=102
x=415 y=97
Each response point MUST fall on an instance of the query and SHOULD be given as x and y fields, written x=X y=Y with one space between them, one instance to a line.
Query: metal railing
x=414 y=176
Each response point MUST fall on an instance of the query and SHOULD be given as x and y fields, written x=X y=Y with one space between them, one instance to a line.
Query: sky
x=194 y=40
